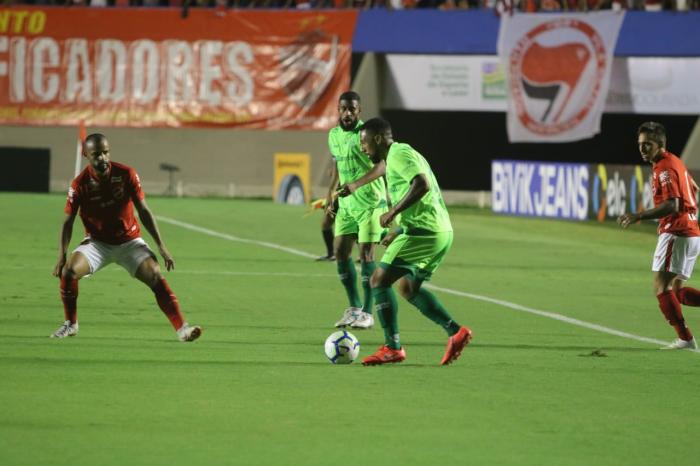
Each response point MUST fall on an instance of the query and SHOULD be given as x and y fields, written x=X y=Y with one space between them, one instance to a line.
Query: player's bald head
x=95 y=139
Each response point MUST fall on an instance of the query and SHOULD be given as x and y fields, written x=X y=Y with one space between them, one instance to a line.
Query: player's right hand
x=389 y=238
x=167 y=258
x=59 y=266
x=626 y=220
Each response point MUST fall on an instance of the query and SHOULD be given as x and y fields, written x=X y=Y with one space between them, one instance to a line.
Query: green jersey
x=403 y=163
x=352 y=164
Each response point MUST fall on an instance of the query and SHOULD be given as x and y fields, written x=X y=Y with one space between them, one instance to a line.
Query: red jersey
x=107 y=205
x=670 y=179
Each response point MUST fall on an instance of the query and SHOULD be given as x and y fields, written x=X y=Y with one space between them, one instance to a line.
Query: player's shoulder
x=670 y=161
x=82 y=178
x=121 y=168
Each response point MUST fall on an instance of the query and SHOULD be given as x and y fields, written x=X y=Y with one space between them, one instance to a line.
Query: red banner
x=153 y=68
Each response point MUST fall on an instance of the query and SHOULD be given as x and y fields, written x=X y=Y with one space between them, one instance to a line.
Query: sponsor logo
x=556 y=74
x=540 y=189
x=493 y=81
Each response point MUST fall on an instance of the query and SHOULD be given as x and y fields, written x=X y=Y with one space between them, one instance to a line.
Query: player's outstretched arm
x=149 y=223
x=671 y=206
x=377 y=171
x=419 y=187
x=63 y=243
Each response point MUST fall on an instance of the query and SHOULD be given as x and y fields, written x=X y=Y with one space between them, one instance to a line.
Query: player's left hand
x=626 y=220
x=387 y=218
x=167 y=258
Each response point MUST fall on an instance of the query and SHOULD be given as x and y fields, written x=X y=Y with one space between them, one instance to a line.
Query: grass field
x=256 y=389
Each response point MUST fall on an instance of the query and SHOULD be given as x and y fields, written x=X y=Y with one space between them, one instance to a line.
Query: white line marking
x=216 y=234
x=499 y=302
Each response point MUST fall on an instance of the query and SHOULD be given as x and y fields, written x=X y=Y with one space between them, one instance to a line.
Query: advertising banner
x=655 y=85
x=444 y=82
x=570 y=191
x=291 y=178
x=646 y=85
x=154 y=68
x=557 y=72
x=554 y=190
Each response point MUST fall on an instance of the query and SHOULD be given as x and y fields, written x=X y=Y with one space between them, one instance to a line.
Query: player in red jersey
x=678 y=245
x=105 y=194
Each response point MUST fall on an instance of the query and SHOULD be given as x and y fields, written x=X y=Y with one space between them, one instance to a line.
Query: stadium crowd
x=501 y=5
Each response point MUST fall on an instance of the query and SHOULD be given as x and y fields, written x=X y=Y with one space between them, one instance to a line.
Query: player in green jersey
x=358 y=212
x=415 y=249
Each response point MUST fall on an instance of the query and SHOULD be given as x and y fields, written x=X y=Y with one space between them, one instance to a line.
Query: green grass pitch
x=256 y=389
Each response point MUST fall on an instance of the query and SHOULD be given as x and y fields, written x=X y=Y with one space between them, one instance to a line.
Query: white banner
x=655 y=85
x=557 y=72
x=649 y=85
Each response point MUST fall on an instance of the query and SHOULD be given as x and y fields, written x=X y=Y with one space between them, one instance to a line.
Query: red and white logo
x=557 y=70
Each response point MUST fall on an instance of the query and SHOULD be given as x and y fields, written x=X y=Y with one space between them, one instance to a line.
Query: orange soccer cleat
x=385 y=355
x=456 y=344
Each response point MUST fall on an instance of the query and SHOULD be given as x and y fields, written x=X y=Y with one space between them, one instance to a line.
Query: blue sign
x=538 y=189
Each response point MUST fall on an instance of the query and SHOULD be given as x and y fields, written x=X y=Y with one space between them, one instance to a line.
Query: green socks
x=428 y=304
x=348 y=277
x=366 y=270
x=387 y=311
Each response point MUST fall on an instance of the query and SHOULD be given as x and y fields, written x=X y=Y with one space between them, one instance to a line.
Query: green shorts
x=419 y=255
x=363 y=223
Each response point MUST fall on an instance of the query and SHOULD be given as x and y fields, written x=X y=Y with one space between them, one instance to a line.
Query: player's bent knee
x=378 y=278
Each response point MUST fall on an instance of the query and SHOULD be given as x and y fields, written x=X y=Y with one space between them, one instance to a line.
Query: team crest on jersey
x=118 y=191
x=664 y=178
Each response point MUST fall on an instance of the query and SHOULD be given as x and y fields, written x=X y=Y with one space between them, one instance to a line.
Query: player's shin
x=167 y=301
x=366 y=271
x=387 y=311
x=671 y=309
x=428 y=304
x=348 y=277
x=69 y=296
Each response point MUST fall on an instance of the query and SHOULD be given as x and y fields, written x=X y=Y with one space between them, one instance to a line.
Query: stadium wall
x=212 y=162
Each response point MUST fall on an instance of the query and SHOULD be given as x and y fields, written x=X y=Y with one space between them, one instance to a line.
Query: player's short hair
x=349 y=96
x=377 y=126
x=655 y=131
x=95 y=138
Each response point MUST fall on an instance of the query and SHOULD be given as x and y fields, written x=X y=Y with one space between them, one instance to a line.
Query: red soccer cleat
x=456 y=344
x=385 y=355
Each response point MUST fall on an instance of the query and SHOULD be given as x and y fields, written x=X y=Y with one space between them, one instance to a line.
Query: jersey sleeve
x=134 y=186
x=670 y=183
x=407 y=164
x=331 y=145
x=73 y=199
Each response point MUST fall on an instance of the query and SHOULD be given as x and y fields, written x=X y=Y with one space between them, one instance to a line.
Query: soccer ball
x=342 y=347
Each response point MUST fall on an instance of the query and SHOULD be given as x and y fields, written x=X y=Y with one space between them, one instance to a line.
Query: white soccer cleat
x=66 y=330
x=349 y=317
x=363 y=320
x=682 y=344
x=189 y=333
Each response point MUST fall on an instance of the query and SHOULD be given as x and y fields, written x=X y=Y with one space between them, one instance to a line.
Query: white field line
x=499 y=302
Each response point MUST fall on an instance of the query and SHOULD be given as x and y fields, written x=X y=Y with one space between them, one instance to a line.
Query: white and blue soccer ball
x=342 y=347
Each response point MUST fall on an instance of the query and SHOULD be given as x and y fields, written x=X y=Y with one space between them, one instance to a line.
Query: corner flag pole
x=82 y=134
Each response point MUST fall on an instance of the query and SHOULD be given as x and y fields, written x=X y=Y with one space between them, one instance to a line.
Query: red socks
x=689 y=296
x=69 y=296
x=168 y=303
x=671 y=309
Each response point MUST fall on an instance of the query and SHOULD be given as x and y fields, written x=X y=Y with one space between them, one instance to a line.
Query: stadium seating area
x=520 y=5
